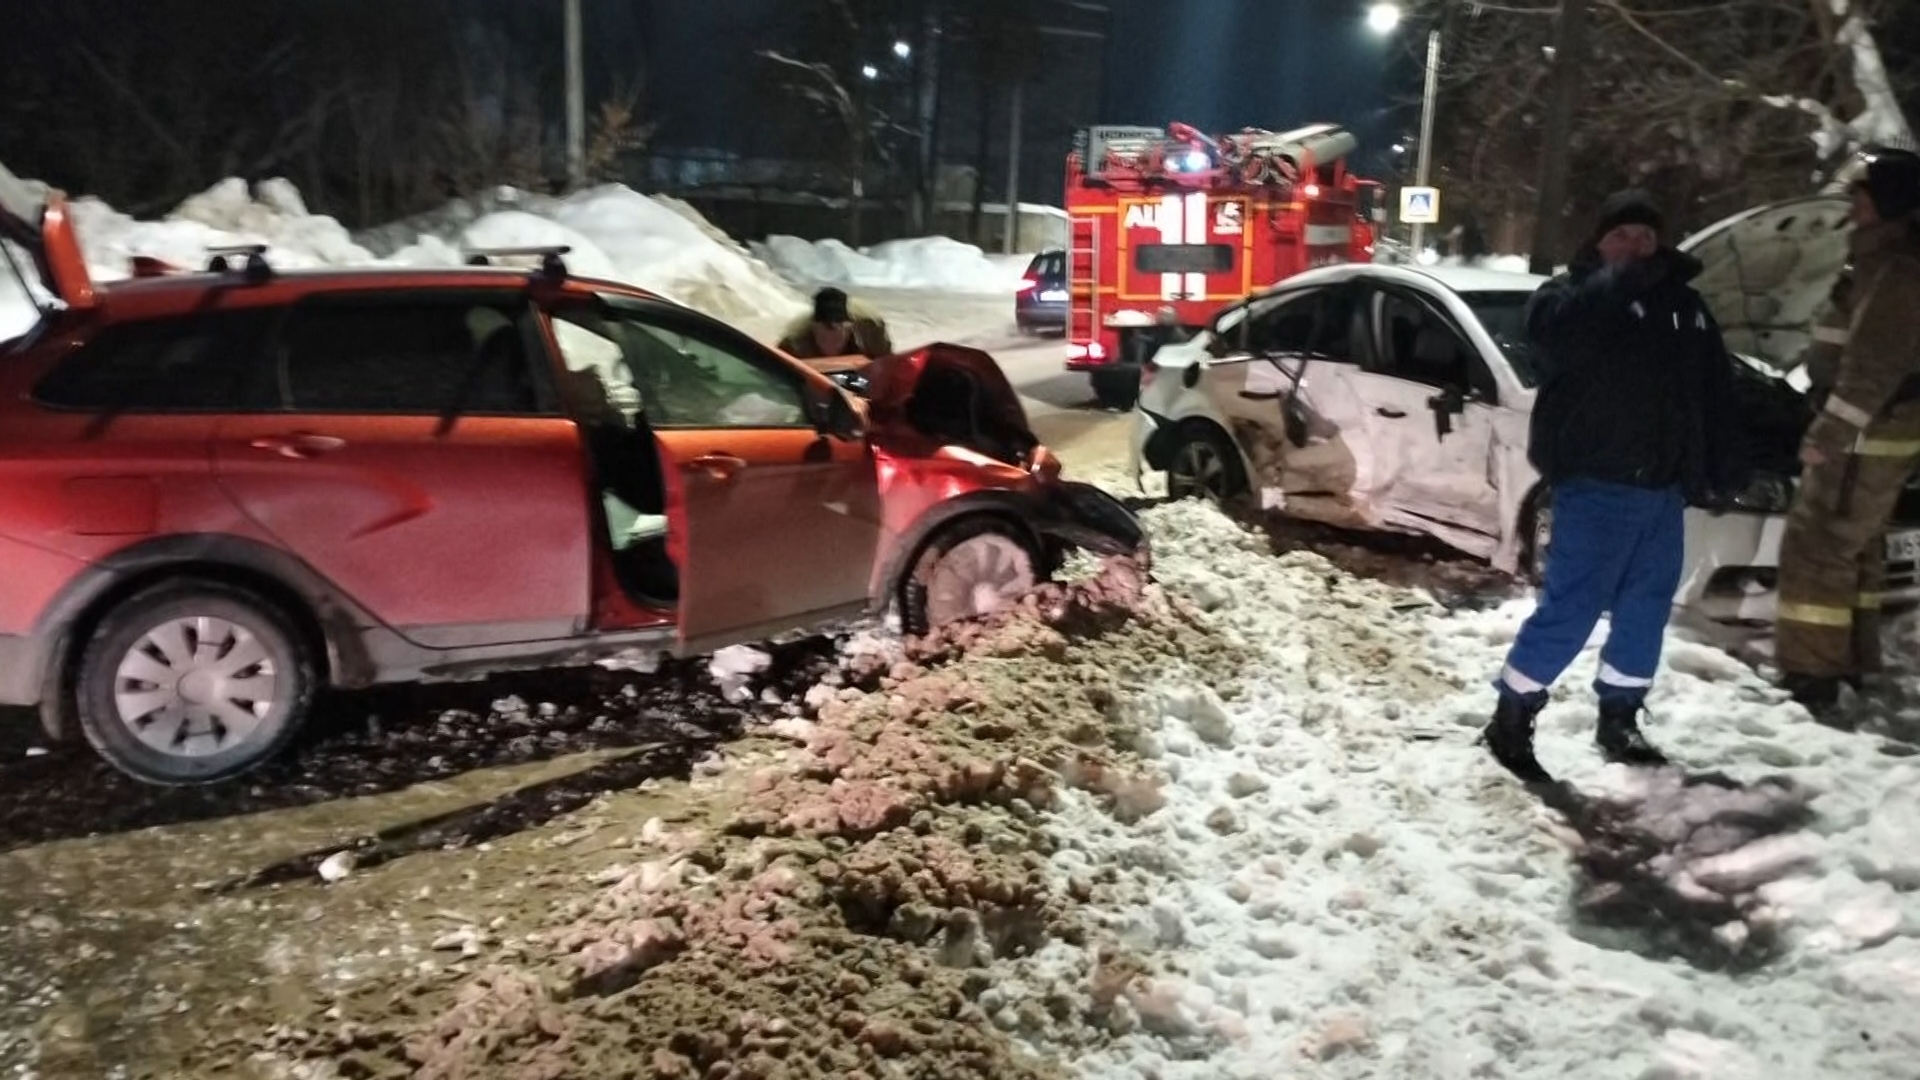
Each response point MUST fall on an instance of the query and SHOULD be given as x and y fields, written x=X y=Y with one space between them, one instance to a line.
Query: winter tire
x=1204 y=465
x=1116 y=388
x=193 y=682
x=972 y=568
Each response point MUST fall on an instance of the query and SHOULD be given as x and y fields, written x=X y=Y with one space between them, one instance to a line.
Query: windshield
x=1504 y=314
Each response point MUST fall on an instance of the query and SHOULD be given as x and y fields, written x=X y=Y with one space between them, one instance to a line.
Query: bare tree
x=1713 y=106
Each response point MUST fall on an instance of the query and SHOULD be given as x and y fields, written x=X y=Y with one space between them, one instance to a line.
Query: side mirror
x=1446 y=405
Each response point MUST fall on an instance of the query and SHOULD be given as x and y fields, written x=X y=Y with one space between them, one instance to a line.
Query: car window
x=675 y=376
x=1318 y=322
x=194 y=363
x=1504 y=315
x=1414 y=341
x=406 y=355
x=1056 y=265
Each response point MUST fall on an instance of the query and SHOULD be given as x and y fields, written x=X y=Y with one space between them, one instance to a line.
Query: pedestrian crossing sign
x=1419 y=206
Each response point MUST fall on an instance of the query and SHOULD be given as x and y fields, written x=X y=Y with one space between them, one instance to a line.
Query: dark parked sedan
x=1040 y=305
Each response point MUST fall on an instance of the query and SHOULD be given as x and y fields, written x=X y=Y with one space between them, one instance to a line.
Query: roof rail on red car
x=551 y=263
x=255 y=269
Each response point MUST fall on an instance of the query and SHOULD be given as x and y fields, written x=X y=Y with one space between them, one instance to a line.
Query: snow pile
x=1341 y=883
x=931 y=262
x=614 y=232
x=734 y=669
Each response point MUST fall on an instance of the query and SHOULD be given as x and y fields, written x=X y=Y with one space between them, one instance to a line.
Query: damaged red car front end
x=963 y=478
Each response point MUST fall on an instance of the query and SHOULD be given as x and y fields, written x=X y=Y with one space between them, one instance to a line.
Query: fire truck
x=1168 y=225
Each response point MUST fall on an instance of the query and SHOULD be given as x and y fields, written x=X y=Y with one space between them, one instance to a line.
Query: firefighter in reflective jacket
x=1862 y=446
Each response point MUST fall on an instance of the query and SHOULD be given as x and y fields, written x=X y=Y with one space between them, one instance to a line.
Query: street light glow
x=902 y=50
x=1382 y=18
x=869 y=72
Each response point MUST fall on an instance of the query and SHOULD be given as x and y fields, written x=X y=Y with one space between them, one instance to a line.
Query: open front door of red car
x=773 y=524
x=772 y=530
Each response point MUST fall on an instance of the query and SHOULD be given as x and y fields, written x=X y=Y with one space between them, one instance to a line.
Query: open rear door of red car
x=40 y=223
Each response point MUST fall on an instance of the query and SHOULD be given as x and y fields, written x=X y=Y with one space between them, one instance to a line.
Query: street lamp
x=902 y=50
x=1382 y=19
x=868 y=71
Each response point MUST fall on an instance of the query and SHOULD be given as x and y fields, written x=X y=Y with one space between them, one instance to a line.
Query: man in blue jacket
x=1633 y=420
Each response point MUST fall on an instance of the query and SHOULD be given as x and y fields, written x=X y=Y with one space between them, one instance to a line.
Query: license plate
x=1903 y=547
x=1053 y=296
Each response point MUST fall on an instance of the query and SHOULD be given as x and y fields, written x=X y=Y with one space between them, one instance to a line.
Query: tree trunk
x=1568 y=49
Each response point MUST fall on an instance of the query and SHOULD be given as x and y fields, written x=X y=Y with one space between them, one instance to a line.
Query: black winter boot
x=1510 y=737
x=1620 y=739
x=1820 y=695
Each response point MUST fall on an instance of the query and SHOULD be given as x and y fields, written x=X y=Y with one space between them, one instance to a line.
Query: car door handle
x=1391 y=414
x=720 y=467
x=300 y=444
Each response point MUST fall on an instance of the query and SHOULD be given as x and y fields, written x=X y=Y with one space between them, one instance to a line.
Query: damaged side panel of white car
x=1392 y=421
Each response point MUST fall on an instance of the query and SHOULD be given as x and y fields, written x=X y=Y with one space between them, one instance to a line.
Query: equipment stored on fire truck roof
x=1168 y=225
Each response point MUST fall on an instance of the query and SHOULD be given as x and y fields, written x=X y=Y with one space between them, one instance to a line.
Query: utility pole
x=1569 y=47
x=1427 y=102
x=576 y=101
x=1011 y=237
x=927 y=109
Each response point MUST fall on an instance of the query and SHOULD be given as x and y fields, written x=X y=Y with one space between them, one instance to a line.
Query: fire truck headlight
x=1311 y=191
x=1195 y=161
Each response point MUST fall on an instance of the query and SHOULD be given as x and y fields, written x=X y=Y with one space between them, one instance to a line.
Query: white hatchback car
x=1397 y=398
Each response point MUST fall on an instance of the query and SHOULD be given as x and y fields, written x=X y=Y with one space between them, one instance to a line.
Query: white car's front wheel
x=1204 y=465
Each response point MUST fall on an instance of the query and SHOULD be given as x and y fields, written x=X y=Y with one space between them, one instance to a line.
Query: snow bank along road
x=1229 y=824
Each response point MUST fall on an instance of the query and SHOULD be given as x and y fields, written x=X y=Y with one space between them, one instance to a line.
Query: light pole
x=576 y=101
x=1382 y=19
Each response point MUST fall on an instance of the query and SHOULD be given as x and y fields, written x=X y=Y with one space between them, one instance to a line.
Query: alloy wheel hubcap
x=195 y=685
x=979 y=576
x=1197 y=469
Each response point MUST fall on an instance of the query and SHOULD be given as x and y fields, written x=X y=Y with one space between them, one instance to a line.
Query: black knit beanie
x=830 y=306
x=1630 y=207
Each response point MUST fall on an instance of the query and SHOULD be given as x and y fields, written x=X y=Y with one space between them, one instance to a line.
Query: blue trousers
x=1613 y=548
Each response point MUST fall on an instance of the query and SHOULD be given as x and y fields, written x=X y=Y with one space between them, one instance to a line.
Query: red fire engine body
x=1169 y=225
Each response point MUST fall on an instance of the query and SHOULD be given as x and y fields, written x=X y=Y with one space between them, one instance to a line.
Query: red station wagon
x=223 y=492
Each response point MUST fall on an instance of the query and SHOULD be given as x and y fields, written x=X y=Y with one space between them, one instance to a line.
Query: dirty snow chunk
x=638 y=661
x=1689 y=1055
x=336 y=866
x=733 y=669
x=1243 y=784
x=1706 y=662
x=1204 y=712
x=1893 y=834
x=1746 y=868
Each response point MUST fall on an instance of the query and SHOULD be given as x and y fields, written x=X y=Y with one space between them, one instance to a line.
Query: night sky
x=1225 y=64
x=1217 y=64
